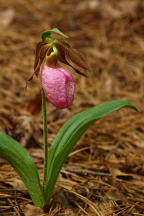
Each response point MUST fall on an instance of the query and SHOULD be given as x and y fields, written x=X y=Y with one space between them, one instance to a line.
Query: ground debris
x=104 y=174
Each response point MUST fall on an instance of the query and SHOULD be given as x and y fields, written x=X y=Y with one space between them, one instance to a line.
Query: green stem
x=45 y=135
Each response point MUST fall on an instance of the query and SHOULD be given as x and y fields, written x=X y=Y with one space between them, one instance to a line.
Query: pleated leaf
x=70 y=133
x=23 y=164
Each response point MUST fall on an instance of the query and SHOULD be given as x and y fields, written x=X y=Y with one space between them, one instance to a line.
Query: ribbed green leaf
x=70 y=133
x=19 y=158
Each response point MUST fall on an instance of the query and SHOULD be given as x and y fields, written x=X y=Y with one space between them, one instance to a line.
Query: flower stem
x=45 y=136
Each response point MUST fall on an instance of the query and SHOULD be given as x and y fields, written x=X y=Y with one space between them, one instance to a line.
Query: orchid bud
x=58 y=85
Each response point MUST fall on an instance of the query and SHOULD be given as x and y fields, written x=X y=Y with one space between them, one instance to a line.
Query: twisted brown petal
x=42 y=51
x=74 y=58
x=66 y=67
x=38 y=47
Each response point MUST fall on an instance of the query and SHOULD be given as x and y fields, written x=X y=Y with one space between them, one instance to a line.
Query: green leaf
x=47 y=34
x=23 y=164
x=70 y=133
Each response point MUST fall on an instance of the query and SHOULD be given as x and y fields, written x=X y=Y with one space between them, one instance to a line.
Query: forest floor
x=104 y=174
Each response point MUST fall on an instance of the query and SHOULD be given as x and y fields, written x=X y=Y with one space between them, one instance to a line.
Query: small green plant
x=54 y=59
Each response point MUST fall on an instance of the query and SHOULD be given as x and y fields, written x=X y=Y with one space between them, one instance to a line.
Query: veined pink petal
x=58 y=85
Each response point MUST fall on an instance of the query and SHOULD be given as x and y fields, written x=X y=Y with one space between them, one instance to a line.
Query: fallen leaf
x=6 y=17
x=30 y=210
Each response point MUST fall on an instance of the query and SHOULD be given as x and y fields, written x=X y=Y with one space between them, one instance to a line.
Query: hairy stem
x=45 y=135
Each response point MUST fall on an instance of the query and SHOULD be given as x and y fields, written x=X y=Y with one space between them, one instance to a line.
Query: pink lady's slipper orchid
x=53 y=60
x=58 y=85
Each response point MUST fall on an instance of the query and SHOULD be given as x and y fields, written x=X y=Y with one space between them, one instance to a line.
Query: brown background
x=104 y=175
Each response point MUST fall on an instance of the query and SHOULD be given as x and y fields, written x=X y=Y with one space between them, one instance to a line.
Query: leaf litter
x=104 y=174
